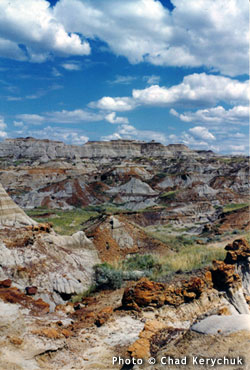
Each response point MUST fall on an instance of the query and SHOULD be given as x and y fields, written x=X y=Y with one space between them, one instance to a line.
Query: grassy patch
x=64 y=222
x=139 y=262
x=175 y=242
x=234 y=206
x=168 y=195
x=191 y=258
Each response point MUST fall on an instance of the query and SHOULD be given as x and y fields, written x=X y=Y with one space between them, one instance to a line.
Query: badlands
x=122 y=252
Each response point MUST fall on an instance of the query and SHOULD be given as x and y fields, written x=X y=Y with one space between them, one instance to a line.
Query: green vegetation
x=175 y=242
x=168 y=195
x=190 y=258
x=64 y=222
x=139 y=262
x=107 y=277
x=234 y=206
x=87 y=293
x=230 y=160
x=156 y=267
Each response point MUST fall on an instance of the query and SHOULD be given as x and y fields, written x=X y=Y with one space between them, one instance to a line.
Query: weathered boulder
x=222 y=324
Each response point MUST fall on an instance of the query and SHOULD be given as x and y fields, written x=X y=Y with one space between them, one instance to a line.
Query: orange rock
x=148 y=293
x=224 y=276
x=41 y=305
x=50 y=333
x=144 y=293
x=67 y=333
x=5 y=283
x=103 y=315
x=16 y=341
x=141 y=347
x=239 y=250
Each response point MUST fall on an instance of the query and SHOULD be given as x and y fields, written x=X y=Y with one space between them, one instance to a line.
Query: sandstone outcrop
x=10 y=213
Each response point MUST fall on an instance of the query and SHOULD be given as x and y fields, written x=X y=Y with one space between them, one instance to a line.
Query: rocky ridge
x=48 y=150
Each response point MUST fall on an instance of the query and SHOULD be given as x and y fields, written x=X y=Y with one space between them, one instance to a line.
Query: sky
x=170 y=71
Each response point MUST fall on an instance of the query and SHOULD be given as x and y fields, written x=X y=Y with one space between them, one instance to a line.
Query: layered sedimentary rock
x=46 y=149
x=10 y=213
x=58 y=266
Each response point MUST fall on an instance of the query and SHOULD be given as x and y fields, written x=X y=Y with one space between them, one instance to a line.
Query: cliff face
x=46 y=149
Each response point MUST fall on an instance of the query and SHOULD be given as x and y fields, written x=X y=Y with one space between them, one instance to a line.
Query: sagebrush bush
x=106 y=277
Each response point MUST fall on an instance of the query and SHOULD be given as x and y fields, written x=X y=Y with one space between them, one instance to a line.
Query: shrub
x=140 y=262
x=107 y=277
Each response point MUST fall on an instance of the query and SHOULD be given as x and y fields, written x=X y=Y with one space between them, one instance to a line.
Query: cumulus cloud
x=195 y=33
x=111 y=118
x=202 y=133
x=114 y=104
x=32 y=24
x=198 y=89
x=132 y=133
x=236 y=115
x=76 y=137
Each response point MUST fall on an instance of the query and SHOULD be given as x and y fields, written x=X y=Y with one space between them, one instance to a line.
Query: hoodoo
x=10 y=213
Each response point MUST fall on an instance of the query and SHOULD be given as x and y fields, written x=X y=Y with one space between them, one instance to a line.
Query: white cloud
x=2 y=123
x=114 y=104
x=75 y=116
x=55 y=72
x=64 y=116
x=202 y=133
x=130 y=132
x=68 y=136
x=9 y=49
x=33 y=24
x=111 y=118
x=152 y=80
x=73 y=66
x=3 y=126
x=14 y=98
x=18 y=123
x=123 y=80
x=32 y=119
x=236 y=115
x=195 y=89
x=3 y=134
x=195 y=33
x=240 y=135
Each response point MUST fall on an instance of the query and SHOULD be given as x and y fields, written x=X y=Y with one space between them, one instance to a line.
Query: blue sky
x=79 y=70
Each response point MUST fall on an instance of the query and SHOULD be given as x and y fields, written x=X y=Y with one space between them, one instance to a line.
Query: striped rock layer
x=10 y=213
